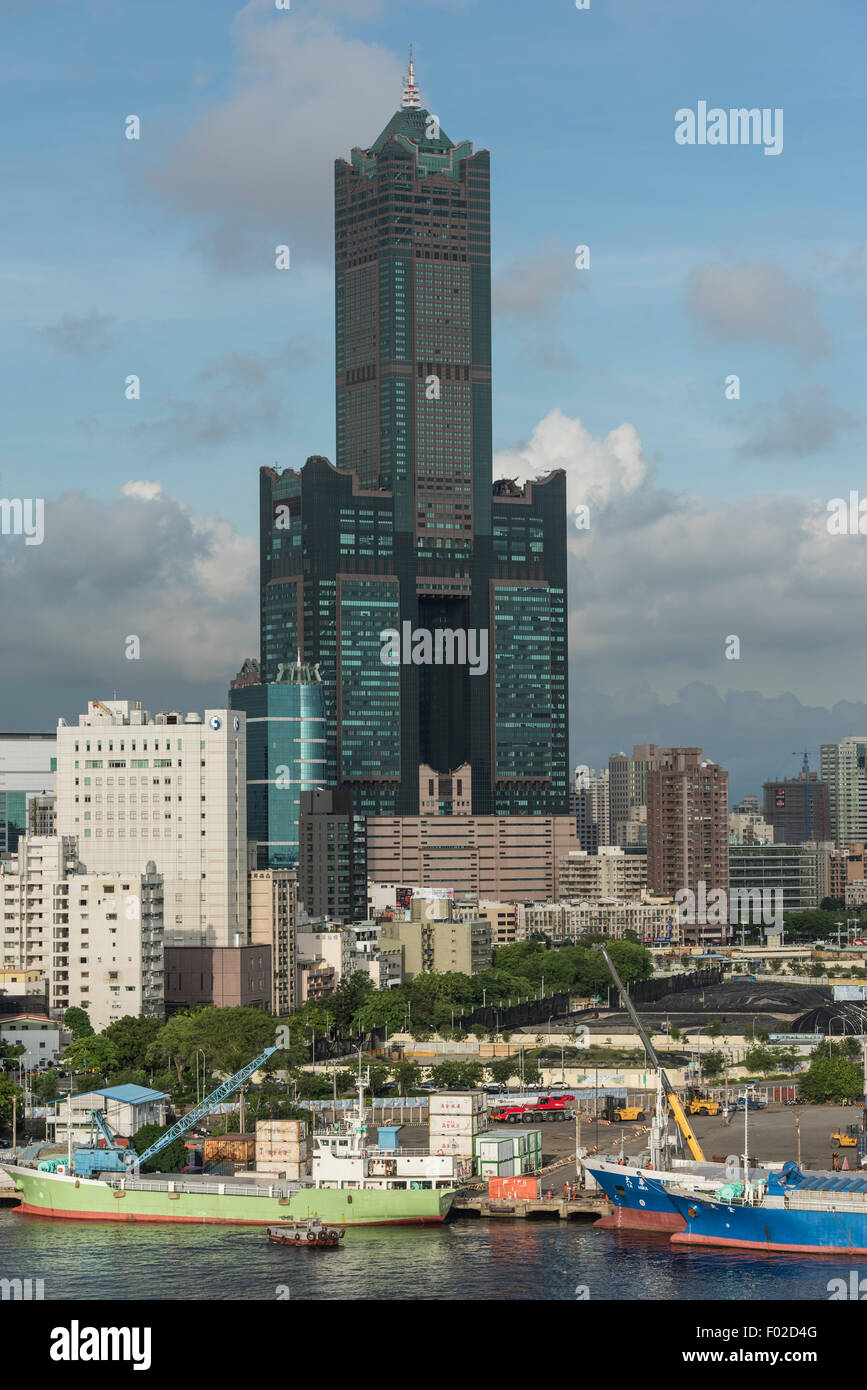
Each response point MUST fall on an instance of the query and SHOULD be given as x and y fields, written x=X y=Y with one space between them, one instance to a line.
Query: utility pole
x=14 y=1123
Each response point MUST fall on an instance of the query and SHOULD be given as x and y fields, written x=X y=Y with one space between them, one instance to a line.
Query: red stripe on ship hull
x=688 y=1238
x=26 y=1209
x=625 y=1219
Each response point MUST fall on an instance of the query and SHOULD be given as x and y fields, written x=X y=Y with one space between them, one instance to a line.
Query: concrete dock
x=590 y=1205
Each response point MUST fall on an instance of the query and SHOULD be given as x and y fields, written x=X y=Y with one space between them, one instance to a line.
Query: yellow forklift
x=614 y=1112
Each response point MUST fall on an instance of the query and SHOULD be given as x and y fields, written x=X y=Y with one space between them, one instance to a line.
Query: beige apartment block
x=464 y=947
x=272 y=910
x=501 y=917
x=612 y=873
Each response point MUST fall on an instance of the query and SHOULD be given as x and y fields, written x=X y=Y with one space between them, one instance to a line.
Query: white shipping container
x=454 y=1144
x=456 y=1124
x=496 y=1148
x=457 y=1103
x=506 y=1168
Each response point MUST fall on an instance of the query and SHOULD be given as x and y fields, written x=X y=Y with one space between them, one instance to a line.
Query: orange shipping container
x=520 y=1189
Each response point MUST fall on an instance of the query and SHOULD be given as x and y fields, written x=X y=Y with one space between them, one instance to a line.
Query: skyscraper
x=406 y=534
x=843 y=767
x=285 y=757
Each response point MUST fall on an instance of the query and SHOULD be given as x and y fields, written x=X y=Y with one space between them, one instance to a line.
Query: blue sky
x=155 y=257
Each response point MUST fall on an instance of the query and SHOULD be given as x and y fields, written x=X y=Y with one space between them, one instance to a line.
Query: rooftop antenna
x=410 y=90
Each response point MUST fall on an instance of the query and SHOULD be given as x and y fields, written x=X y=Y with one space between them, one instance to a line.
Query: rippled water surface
x=465 y=1259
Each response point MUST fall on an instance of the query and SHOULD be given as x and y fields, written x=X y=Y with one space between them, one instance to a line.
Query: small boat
x=306 y=1235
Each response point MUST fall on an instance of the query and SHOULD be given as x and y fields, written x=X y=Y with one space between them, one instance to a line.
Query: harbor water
x=464 y=1259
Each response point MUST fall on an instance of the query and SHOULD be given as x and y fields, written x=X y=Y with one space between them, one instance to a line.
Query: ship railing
x=214 y=1189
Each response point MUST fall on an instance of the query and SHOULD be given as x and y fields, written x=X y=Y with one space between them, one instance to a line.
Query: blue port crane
x=116 y=1158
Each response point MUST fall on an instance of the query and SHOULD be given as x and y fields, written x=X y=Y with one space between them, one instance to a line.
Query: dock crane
x=115 y=1158
x=670 y=1095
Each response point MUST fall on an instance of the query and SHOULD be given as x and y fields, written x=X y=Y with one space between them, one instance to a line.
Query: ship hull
x=639 y=1196
x=66 y=1198
x=778 y=1229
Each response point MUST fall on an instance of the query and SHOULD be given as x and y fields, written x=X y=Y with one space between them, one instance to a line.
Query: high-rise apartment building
x=589 y=802
x=272 y=910
x=843 y=769
x=433 y=603
x=628 y=775
x=169 y=789
x=97 y=938
x=332 y=864
x=687 y=824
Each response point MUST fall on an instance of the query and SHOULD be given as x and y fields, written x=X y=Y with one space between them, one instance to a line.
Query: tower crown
x=410 y=90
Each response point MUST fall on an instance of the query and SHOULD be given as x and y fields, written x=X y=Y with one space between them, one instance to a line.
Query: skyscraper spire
x=410 y=90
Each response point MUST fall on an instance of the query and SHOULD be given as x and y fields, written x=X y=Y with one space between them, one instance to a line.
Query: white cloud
x=596 y=469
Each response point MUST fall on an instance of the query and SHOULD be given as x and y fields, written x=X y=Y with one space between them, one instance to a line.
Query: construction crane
x=670 y=1095
x=116 y=1158
x=203 y=1108
x=805 y=768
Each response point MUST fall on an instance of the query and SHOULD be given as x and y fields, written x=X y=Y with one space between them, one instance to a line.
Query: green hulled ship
x=186 y=1199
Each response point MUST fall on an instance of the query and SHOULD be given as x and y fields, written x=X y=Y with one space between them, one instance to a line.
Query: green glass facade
x=286 y=755
x=407 y=527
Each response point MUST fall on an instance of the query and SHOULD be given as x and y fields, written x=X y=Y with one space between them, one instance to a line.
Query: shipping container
x=457 y=1103
x=456 y=1124
x=283 y=1129
x=460 y=1146
x=516 y=1188
x=232 y=1148
x=505 y=1168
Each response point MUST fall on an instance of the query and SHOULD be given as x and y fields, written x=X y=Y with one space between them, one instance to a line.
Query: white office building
x=170 y=789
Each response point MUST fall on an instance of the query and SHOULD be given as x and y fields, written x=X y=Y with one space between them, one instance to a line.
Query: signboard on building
x=844 y=992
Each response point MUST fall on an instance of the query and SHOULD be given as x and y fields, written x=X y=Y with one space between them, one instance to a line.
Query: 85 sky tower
x=407 y=532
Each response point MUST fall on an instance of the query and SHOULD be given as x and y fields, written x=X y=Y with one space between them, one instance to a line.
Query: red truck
x=544 y=1108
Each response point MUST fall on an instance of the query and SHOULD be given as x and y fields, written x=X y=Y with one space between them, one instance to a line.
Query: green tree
x=714 y=1028
x=407 y=1074
x=170 y=1160
x=132 y=1039
x=46 y=1086
x=8 y=1090
x=831 y=1078
x=92 y=1053
x=378 y=1078
x=229 y=1038
x=447 y=1074
x=503 y=1069
x=78 y=1024
x=713 y=1064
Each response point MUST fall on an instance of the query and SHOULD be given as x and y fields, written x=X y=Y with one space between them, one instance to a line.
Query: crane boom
x=203 y=1108
x=670 y=1095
